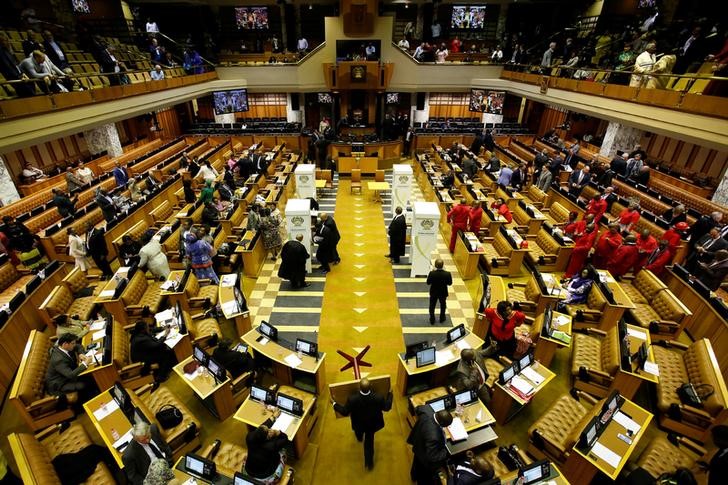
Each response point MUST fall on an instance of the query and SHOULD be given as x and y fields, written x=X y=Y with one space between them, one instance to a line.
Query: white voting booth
x=423 y=242
x=401 y=186
x=305 y=181
x=298 y=221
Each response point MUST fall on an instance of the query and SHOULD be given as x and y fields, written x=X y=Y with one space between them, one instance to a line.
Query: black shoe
x=432 y=321
x=395 y=261
x=442 y=319
x=305 y=285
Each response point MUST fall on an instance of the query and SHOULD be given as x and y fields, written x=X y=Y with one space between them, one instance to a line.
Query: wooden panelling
x=168 y=123
x=550 y=118
x=686 y=156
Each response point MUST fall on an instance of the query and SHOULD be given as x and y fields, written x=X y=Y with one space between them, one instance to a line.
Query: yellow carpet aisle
x=360 y=308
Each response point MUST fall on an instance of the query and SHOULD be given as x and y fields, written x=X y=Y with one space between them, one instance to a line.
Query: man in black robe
x=397 y=235
x=293 y=263
x=325 y=253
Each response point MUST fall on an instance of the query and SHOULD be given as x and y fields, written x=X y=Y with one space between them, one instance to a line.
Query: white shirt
x=370 y=50
x=152 y=27
x=644 y=62
x=441 y=55
x=302 y=44
x=207 y=173
x=157 y=75
x=404 y=44
x=436 y=30
x=418 y=52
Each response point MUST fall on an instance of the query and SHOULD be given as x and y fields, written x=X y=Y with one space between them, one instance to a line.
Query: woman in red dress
x=582 y=246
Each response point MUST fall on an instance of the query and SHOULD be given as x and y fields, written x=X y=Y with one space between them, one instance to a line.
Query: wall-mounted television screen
x=325 y=98
x=80 y=6
x=486 y=101
x=251 y=18
x=233 y=101
x=392 y=98
x=467 y=17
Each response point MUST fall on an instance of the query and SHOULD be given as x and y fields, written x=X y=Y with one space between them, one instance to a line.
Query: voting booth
x=425 y=223
x=298 y=221
x=305 y=181
x=401 y=186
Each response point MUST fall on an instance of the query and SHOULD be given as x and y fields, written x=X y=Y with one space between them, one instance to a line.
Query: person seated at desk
x=150 y=350
x=30 y=173
x=70 y=324
x=448 y=180
x=129 y=251
x=266 y=452
x=472 y=470
x=472 y=374
x=502 y=209
x=675 y=215
x=65 y=364
x=160 y=473
x=428 y=444
x=236 y=363
x=577 y=289
x=503 y=321
x=493 y=164
x=713 y=274
x=145 y=447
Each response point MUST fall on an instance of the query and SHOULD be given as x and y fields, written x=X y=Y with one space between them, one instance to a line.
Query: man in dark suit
x=578 y=180
x=365 y=409
x=146 y=445
x=106 y=203
x=703 y=226
x=65 y=205
x=329 y=222
x=518 y=179
x=293 y=262
x=428 y=444
x=713 y=273
x=439 y=280
x=706 y=249
x=488 y=141
x=619 y=164
x=477 y=144
x=65 y=365
x=324 y=253
x=397 y=235
x=54 y=51
x=150 y=350
x=472 y=374
x=97 y=249
x=469 y=166
x=236 y=363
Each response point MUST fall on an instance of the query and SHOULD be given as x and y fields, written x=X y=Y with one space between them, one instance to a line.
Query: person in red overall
x=624 y=257
x=597 y=207
x=475 y=217
x=573 y=227
x=503 y=322
x=458 y=217
x=646 y=243
x=629 y=217
x=502 y=209
x=674 y=236
x=582 y=247
x=659 y=258
x=605 y=246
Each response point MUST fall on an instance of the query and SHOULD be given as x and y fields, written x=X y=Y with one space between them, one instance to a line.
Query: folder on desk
x=604 y=453
x=532 y=375
x=561 y=336
x=519 y=384
x=283 y=422
x=457 y=430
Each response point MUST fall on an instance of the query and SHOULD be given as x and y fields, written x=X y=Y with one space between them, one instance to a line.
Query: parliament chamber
x=195 y=202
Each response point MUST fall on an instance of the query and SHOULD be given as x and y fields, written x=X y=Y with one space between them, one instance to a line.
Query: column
x=284 y=30
x=8 y=191
x=501 y=26
x=419 y=26
x=721 y=193
x=225 y=118
x=619 y=137
x=103 y=138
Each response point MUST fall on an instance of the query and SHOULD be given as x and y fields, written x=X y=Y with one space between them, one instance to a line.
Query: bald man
x=365 y=409
x=472 y=470
x=472 y=374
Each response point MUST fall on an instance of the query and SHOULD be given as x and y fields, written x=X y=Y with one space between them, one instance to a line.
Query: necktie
x=157 y=452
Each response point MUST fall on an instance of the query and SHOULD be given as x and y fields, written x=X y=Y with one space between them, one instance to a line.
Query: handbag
x=169 y=416
x=694 y=396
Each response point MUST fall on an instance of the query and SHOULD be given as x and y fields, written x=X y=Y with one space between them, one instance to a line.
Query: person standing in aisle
x=438 y=280
x=397 y=236
x=458 y=217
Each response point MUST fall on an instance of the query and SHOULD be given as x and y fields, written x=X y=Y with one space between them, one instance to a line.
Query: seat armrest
x=518 y=285
x=49 y=431
x=675 y=344
x=599 y=377
x=242 y=380
x=203 y=340
x=176 y=439
x=134 y=309
x=144 y=389
x=207 y=451
x=23 y=270
x=596 y=332
x=131 y=370
x=43 y=406
x=691 y=445
x=696 y=416
x=664 y=326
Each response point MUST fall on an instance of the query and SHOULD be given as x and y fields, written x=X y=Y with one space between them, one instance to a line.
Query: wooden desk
x=613 y=311
x=254 y=414
x=377 y=187
x=510 y=200
x=582 y=468
x=465 y=259
x=555 y=292
x=229 y=306
x=114 y=422
x=178 y=295
x=628 y=381
x=107 y=292
x=498 y=293
x=505 y=403
x=470 y=412
x=546 y=347
x=310 y=367
x=104 y=375
x=557 y=477
x=218 y=398
x=367 y=165
x=250 y=247
x=411 y=379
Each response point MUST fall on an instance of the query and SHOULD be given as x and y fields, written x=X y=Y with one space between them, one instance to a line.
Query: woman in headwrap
x=201 y=253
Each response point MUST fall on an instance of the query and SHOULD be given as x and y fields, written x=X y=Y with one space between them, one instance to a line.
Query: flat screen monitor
x=240 y=479
x=268 y=330
x=232 y=101
x=425 y=357
x=196 y=465
x=590 y=434
x=535 y=472
x=308 y=348
x=412 y=349
x=289 y=404
x=80 y=6
x=525 y=361
x=216 y=370
x=119 y=394
x=392 y=98
x=467 y=17
x=612 y=403
x=485 y=299
x=262 y=395
x=441 y=403
x=548 y=316
x=507 y=374
x=487 y=101
x=139 y=416
x=251 y=18
x=240 y=301
x=463 y=398
x=456 y=333
x=325 y=98
x=200 y=355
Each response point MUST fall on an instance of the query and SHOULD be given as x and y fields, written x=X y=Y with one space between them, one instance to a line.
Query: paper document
x=283 y=422
x=462 y=344
x=521 y=385
x=172 y=339
x=638 y=334
x=125 y=439
x=561 y=320
x=107 y=293
x=98 y=335
x=105 y=410
x=164 y=317
x=457 y=430
x=604 y=453
x=228 y=280
x=168 y=285
x=229 y=307
x=293 y=360
x=562 y=336
x=443 y=356
x=190 y=481
x=532 y=375
x=628 y=423
x=652 y=368
x=98 y=325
